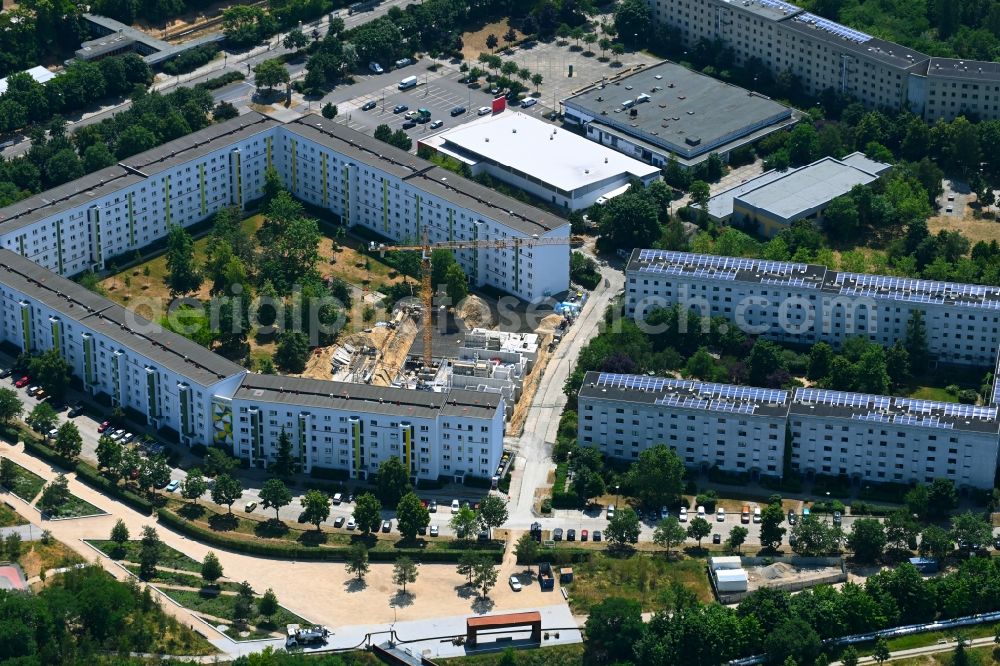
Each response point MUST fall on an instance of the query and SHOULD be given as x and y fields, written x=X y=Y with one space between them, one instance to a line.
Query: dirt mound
x=476 y=313
x=775 y=571
x=549 y=324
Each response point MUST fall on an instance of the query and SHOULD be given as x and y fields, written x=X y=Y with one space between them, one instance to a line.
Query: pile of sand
x=476 y=313
x=775 y=571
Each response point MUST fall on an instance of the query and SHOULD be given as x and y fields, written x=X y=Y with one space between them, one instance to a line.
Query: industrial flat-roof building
x=113 y=38
x=774 y=200
x=553 y=164
x=743 y=429
x=666 y=111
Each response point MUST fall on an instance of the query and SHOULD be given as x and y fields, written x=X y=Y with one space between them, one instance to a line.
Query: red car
x=583 y=535
x=104 y=426
x=22 y=382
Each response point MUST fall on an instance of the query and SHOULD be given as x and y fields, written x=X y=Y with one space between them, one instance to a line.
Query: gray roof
x=953 y=68
x=859 y=160
x=107 y=181
x=303 y=392
x=169 y=350
x=425 y=175
x=720 y=206
x=893 y=411
x=684 y=111
x=685 y=394
x=887 y=53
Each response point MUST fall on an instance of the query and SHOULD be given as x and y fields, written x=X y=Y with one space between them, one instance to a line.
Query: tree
x=867 y=540
x=211 y=568
x=737 y=537
x=536 y=80
x=917 y=500
x=901 y=530
x=970 y=530
x=227 y=490
x=484 y=575
x=623 y=529
x=526 y=549
x=633 y=22
x=270 y=73
x=492 y=42
x=393 y=480
x=367 y=512
x=292 y=352
x=357 y=560
x=771 y=531
x=295 y=39
x=12 y=544
x=329 y=111
x=55 y=494
x=628 y=221
x=936 y=542
x=109 y=456
x=411 y=515
x=284 y=463
x=149 y=553
x=880 y=652
x=243 y=607
x=218 y=462
x=268 y=605
x=8 y=473
x=464 y=522
x=613 y=629
x=814 y=537
x=43 y=417
x=10 y=406
x=698 y=529
x=657 y=477
x=316 y=507
x=274 y=495
x=68 y=442
x=764 y=360
x=183 y=275
x=120 y=536
x=457 y=284
x=224 y=111
x=669 y=533
x=849 y=657
x=52 y=372
x=795 y=638
x=153 y=473
x=916 y=340
x=194 y=485
x=404 y=571
x=587 y=483
x=492 y=513
x=700 y=194
x=467 y=564
x=942 y=498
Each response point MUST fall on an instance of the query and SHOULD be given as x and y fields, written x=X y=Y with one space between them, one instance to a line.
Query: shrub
x=199 y=450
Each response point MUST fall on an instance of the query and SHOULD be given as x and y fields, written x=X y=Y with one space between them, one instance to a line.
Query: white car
x=410 y=115
x=720 y=515
x=683 y=515
x=515 y=584
x=484 y=110
x=338 y=498
x=454 y=506
x=173 y=486
x=375 y=67
x=352 y=524
x=434 y=530
x=528 y=102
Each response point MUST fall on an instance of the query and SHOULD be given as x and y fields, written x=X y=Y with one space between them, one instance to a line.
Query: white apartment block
x=868 y=438
x=807 y=303
x=825 y=55
x=179 y=385
x=119 y=210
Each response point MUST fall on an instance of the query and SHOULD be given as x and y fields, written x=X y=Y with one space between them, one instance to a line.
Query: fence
x=788 y=586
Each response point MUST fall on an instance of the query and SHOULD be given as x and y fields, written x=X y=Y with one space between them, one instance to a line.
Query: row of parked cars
x=557 y=535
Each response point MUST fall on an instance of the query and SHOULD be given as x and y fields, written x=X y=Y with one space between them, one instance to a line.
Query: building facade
x=86 y=223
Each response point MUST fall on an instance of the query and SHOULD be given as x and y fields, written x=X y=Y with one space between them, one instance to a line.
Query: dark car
x=457 y=111
x=409 y=124
x=996 y=543
x=75 y=410
x=792 y=518
x=423 y=119
x=5 y=373
x=369 y=105
x=399 y=108
x=716 y=538
x=597 y=535
x=571 y=534
x=557 y=534
x=837 y=518
x=386 y=525
x=423 y=530
x=339 y=522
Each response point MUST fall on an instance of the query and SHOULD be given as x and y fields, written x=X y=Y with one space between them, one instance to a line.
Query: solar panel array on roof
x=631 y=382
x=780 y=5
x=834 y=28
x=695 y=394
x=918 y=291
x=722 y=268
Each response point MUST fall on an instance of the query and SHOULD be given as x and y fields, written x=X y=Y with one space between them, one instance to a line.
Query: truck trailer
x=297 y=635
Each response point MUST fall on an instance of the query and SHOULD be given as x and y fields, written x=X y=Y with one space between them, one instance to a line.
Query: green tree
x=669 y=533
x=901 y=530
x=120 y=536
x=274 y=495
x=623 y=529
x=794 y=638
x=10 y=406
x=820 y=358
x=737 y=537
x=629 y=220
x=43 y=417
x=849 y=657
x=8 y=473
x=271 y=73
x=492 y=513
x=700 y=194
x=457 y=284
x=393 y=480
x=316 y=507
x=97 y=157
x=813 y=537
x=633 y=22
x=698 y=529
x=194 y=485
x=484 y=575
x=284 y=463
x=295 y=39
x=771 y=531
x=971 y=530
x=149 y=553
x=224 y=111
x=764 y=360
x=55 y=494
x=492 y=42
x=657 y=477
x=613 y=629
x=182 y=276
x=464 y=522
x=268 y=605
x=526 y=549
x=357 y=560
x=227 y=490
x=916 y=340
x=867 y=540
x=218 y=462
x=68 y=442
x=52 y=372
x=880 y=652
x=211 y=568
x=404 y=571
x=411 y=515
x=367 y=512
x=329 y=111
x=243 y=607
x=936 y=542
x=12 y=544
x=942 y=498
x=292 y=352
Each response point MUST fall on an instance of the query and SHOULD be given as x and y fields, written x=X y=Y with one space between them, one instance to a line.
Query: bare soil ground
x=530 y=386
x=476 y=313
x=474 y=42
x=974 y=229
x=781 y=573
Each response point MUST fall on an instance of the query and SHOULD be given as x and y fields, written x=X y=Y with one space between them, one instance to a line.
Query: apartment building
x=824 y=55
x=86 y=223
x=183 y=387
x=868 y=438
x=806 y=303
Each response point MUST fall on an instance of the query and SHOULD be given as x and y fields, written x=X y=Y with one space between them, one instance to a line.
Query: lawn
x=74 y=507
x=644 y=578
x=556 y=655
x=25 y=484
x=221 y=606
x=169 y=557
x=933 y=393
x=37 y=556
x=184 y=579
x=10 y=518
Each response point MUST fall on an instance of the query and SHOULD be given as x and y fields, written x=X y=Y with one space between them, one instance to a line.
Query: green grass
x=255 y=633
x=932 y=637
x=74 y=507
x=169 y=557
x=642 y=577
x=221 y=606
x=10 y=518
x=184 y=579
x=933 y=393
x=25 y=484
x=556 y=655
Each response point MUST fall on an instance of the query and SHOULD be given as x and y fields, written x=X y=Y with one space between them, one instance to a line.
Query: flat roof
x=504 y=620
x=891 y=410
x=347 y=396
x=542 y=151
x=170 y=350
x=685 y=394
x=798 y=192
x=38 y=73
x=682 y=110
x=861 y=161
x=954 y=68
x=720 y=206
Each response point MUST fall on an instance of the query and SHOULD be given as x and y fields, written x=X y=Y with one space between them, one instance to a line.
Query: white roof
x=731 y=575
x=549 y=153
x=727 y=562
x=38 y=73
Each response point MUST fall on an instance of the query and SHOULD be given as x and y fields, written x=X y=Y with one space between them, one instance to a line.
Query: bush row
x=290 y=551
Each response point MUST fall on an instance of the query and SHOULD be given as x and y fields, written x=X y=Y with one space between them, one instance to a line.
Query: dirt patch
x=350 y=265
x=474 y=42
x=476 y=313
x=974 y=229
x=530 y=386
x=782 y=574
x=549 y=324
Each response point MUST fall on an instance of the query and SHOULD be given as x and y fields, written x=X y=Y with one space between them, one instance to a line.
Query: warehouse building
x=557 y=166
x=666 y=112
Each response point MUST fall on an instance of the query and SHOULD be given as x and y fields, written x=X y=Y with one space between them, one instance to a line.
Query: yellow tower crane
x=426 y=248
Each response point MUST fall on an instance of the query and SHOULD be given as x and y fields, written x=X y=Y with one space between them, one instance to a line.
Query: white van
x=408 y=82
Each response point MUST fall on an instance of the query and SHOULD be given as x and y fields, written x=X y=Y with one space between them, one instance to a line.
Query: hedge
x=290 y=551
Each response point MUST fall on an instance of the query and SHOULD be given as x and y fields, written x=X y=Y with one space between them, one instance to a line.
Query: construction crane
x=426 y=248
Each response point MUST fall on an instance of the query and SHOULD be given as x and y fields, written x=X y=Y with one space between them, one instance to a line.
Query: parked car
x=103 y=427
x=528 y=101
x=756 y=514
x=432 y=507
x=128 y=437
x=117 y=435
x=515 y=584
x=75 y=410
x=339 y=522
x=403 y=62
x=337 y=498
x=720 y=515
x=32 y=390
x=683 y=515
x=583 y=535
x=611 y=511
x=716 y=538
x=40 y=394
x=369 y=105
x=792 y=518
x=436 y=124
x=805 y=512
x=454 y=506
x=251 y=507
x=350 y=498
x=664 y=512
x=597 y=535
x=557 y=534
x=5 y=373
x=410 y=115
x=375 y=67
x=996 y=543
x=53 y=433
x=409 y=124
x=837 y=518
x=351 y=523
x=701 y=511
x=386 y=526
x=484 y=111
x=434 y=530
x=484 y=536
x=571 y=534
x=175 y=484
x=399 y=108
x=22 y=382
x=457 y=111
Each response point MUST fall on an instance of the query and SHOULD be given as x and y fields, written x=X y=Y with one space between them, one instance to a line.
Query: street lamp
x=618 y=498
